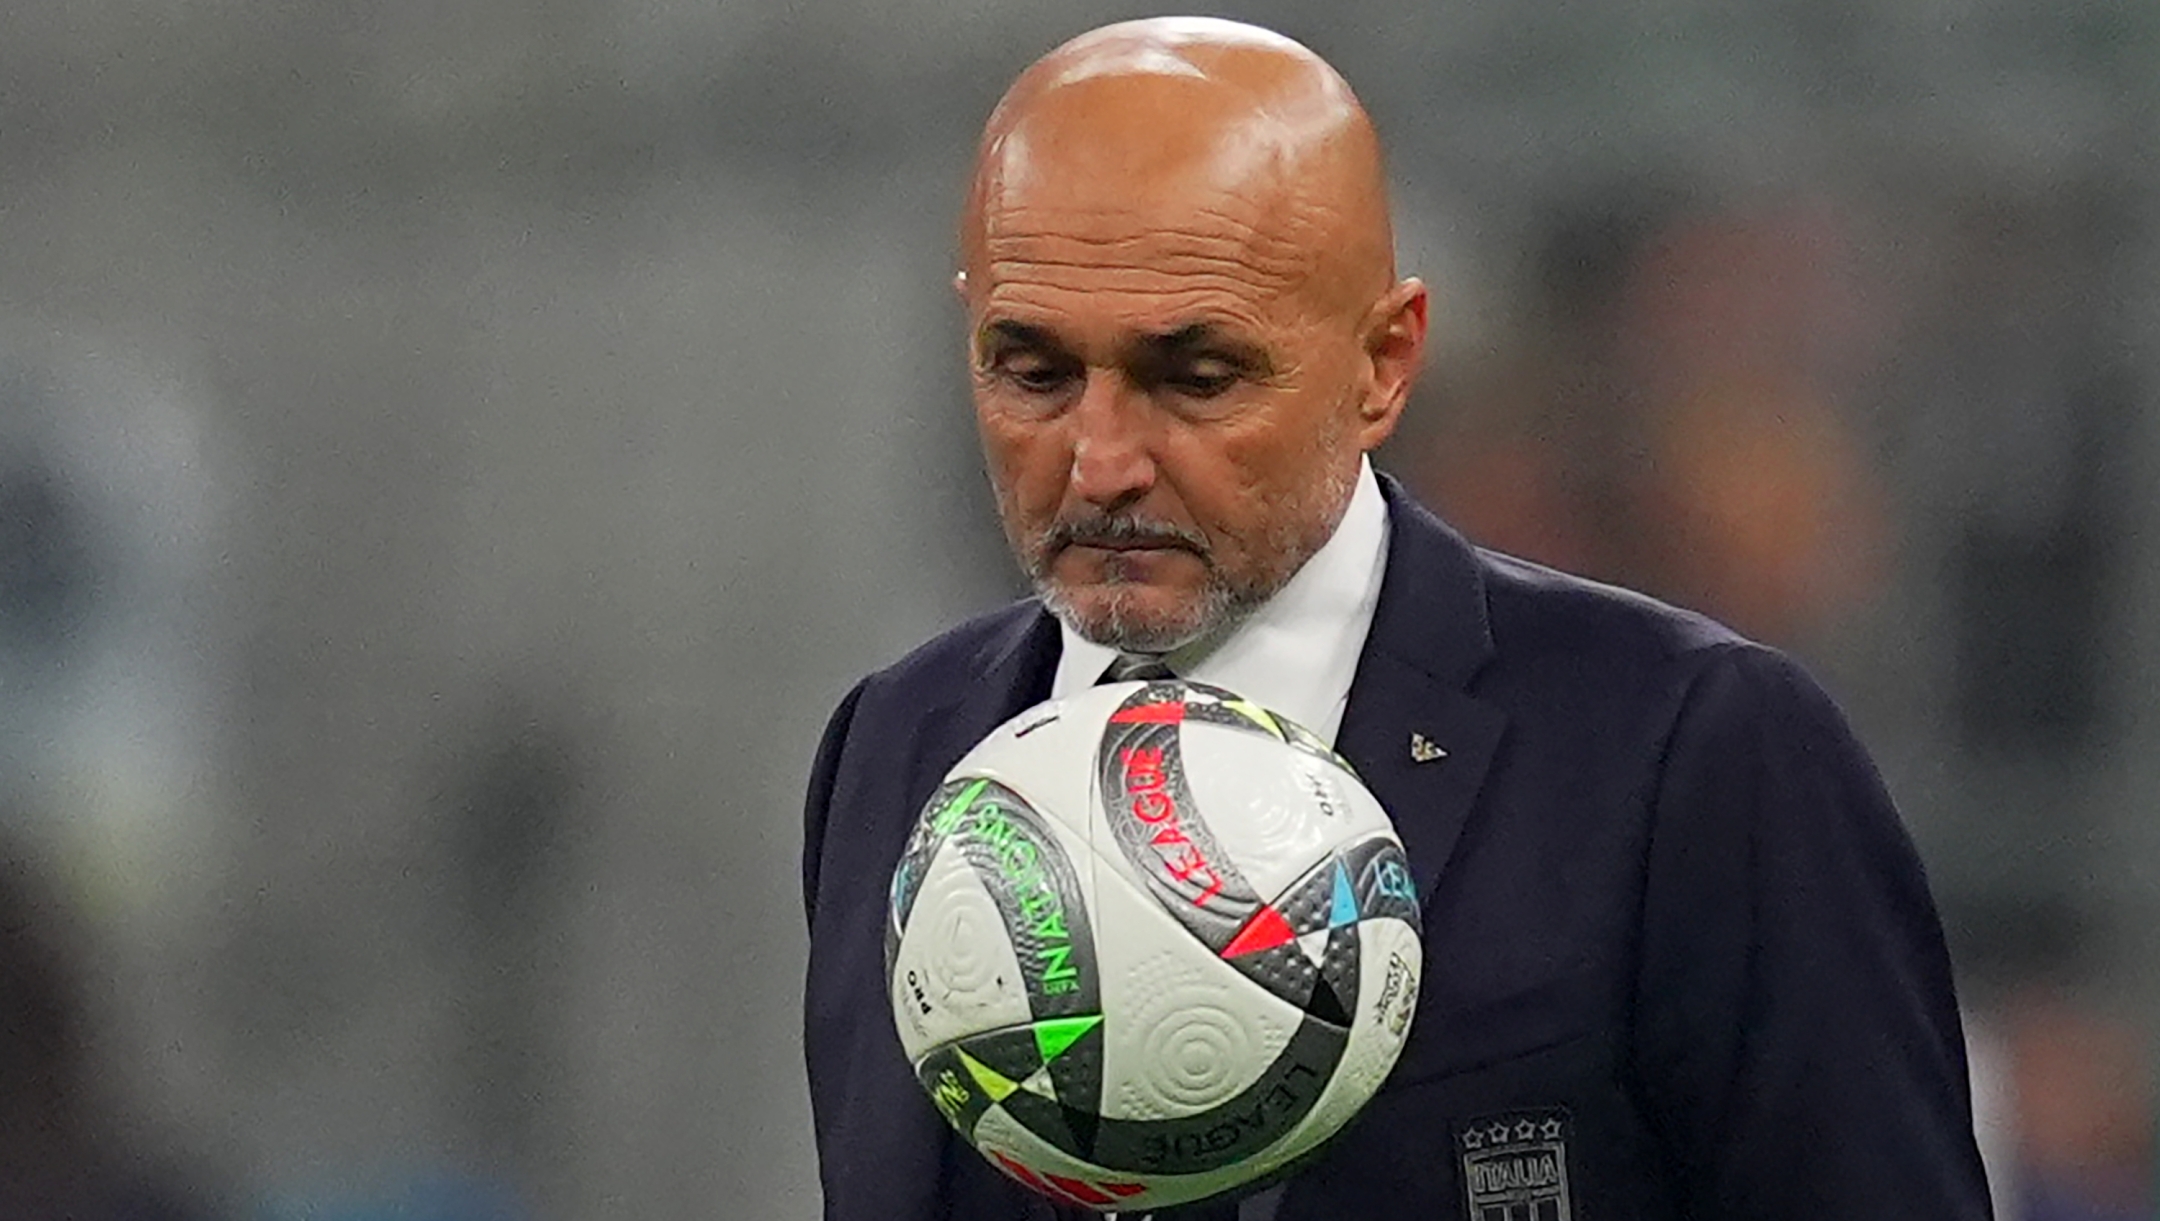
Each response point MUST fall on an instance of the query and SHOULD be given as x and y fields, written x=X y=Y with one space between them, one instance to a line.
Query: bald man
x=1681 y=961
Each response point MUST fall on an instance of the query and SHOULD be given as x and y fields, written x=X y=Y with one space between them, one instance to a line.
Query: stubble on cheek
x=1004 y=466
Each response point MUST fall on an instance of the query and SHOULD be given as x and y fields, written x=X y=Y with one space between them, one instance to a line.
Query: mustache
x=1122 y=530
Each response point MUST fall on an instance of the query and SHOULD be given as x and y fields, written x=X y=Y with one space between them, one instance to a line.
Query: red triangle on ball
x=1266 y=930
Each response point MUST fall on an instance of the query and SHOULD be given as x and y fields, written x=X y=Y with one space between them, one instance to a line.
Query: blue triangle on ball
x=1345 y=909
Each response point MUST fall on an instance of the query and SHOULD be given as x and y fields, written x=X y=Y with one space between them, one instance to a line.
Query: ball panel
x=1272 y=812
x=1390 y=968
x=1204 y=1070
x=1385 y=889
x=955 y=970
x=1073 y=1052
x=1189 y=1037
x=1245 y=1129
x=1058 y=1060
x=1143 y=795
x=991 y=919
x=1308 y=959
x=1160 y=975
x=1026 y=1157
x=960 y=1095
x=1045 y=754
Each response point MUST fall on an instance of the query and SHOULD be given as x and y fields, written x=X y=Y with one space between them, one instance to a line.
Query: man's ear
x=1394 y=337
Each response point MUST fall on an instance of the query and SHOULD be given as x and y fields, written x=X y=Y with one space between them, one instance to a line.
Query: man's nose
x=1112 y=461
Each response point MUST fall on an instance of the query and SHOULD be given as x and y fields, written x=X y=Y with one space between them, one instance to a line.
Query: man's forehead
x=1076 y=316
x=1226 y=247
x=1185 y=204
x=1174 y=336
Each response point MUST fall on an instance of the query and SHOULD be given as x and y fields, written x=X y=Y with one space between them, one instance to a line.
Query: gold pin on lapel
x=1424 y=749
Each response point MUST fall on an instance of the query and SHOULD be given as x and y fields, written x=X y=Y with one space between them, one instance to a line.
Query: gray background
x=480 y=444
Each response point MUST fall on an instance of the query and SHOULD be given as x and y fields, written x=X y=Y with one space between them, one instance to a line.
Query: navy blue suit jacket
x=1671 y=919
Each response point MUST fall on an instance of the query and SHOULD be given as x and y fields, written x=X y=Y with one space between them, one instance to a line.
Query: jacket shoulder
x=1541 y=613
x=1603 y=656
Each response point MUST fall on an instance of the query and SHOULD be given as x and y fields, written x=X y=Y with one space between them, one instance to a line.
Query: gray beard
x=1223 y=604
x=1221 y=609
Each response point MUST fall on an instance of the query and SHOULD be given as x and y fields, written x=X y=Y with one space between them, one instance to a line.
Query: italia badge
x=1514 y=1166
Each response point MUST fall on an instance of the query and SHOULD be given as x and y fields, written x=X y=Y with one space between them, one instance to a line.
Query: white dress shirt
x=1296 y=654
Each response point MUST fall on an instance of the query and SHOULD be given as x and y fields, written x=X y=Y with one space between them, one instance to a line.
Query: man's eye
x=1033 y=373
x=1203 y=379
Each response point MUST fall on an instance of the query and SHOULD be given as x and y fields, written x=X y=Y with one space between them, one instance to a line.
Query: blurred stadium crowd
x=451 y=460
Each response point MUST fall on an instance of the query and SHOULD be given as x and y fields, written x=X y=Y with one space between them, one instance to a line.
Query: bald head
x=1151 y=119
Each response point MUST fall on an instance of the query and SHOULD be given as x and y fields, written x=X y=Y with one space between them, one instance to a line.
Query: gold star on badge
x=1550 y=1130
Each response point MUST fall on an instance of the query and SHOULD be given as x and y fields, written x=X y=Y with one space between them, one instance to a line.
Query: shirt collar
x=1298 y=652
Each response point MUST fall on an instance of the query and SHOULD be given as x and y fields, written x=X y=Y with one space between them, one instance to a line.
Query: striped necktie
x=1131 y=666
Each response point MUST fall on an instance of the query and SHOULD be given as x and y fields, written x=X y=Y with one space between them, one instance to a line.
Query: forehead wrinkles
x=1207 y=248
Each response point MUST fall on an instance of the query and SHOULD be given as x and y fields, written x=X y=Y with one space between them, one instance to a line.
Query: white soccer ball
x=1151 y=943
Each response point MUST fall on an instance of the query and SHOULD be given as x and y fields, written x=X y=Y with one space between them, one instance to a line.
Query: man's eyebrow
x=1009 y=334
x=1204 y=335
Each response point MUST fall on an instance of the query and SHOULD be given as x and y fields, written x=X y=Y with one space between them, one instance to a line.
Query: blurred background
x=452 y=459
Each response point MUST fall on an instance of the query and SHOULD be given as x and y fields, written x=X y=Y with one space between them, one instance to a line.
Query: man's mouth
x=1119 y=536
x=1132 y=544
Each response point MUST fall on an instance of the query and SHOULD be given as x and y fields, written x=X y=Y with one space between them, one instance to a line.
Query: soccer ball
x=1151 y=943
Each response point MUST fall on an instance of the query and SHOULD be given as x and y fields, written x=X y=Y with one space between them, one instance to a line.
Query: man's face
x=1171 y=419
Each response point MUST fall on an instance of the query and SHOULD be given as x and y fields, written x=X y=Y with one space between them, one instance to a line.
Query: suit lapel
x=1419 y=740
x=1011 y=672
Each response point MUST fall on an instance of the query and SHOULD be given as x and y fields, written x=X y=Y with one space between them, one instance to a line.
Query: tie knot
x=1130 y=667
